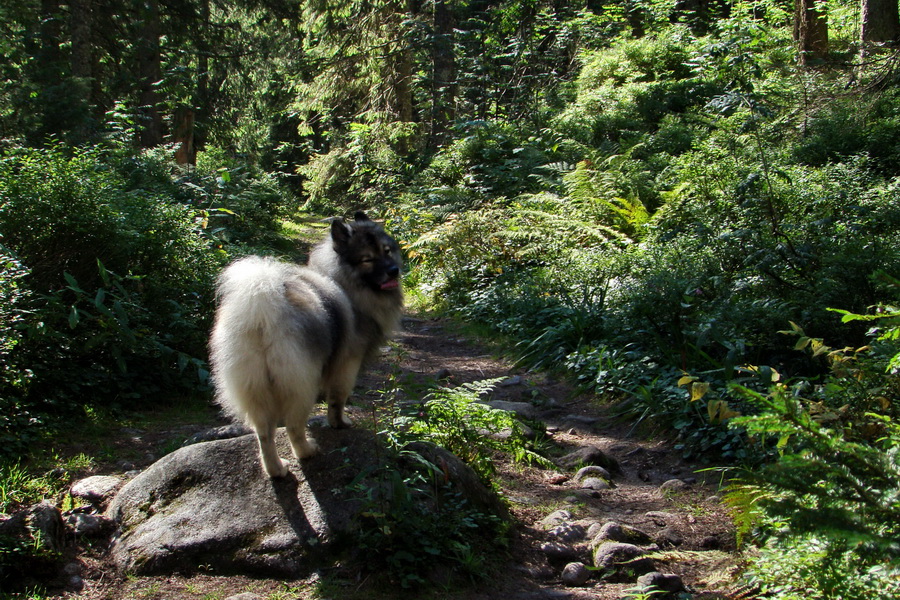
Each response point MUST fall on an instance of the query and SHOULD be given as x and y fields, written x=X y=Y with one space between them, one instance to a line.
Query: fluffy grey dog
x=285 y=333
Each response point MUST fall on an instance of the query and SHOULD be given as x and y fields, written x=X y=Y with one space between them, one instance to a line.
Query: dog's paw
x=339 y=420
x=279 y=469
x=305 y=449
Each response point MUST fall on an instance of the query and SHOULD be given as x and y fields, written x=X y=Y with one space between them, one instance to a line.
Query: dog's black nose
x=393 y=271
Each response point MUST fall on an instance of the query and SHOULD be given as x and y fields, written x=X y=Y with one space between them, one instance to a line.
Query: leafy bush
x=111 y=286
x=412 y=523
x=824 y=514
x=412 y=527
x=367 y=169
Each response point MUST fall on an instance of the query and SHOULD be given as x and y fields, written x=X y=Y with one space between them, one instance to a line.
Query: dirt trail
x=692 y=523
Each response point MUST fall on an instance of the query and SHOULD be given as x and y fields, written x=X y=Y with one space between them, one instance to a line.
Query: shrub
x=824 y=514
x=113 y=284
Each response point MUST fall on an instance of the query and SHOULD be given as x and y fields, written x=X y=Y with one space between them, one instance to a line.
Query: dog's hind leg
x=340 y=384
x=302 y=446
x=268 y=453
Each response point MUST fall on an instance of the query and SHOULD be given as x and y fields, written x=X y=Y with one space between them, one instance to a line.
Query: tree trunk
x=81 y=25
x=811 y=30
x=183 y=135
x=880 y=24
x=201 y=96
x=149 y=73
x=443 y=85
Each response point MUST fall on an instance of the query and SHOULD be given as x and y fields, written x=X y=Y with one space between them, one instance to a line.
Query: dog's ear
x=340 y=232
x=360 y=216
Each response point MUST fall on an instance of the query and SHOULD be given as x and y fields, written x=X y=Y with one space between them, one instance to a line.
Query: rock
x=245 y=596
x=589 y=456
x=40 y=529
x=218 y=433
x=97 y=489
x=615 y=532
x=593 y=530
x=555 y=518
x=621 y=562
x=669 y=536
x=524 y=410
x=595 y=483
x=575 y=574
x=659 y=517
x=88 y=525
x=568 y=532
x=672 y=486
x=75 y=583
x=511 y=381
x=40 y=523
x=656 y=583
x=524 y=430
x=210 y=504
x=592 y=471
x=556 y=551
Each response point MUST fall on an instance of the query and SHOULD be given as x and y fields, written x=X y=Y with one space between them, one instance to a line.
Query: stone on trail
x=209 y=505
x=621 y=562
x=616 y=532
x=575 y=574
x=660 y=584
x=588 y=456
x=592 y=471
x=97 y=489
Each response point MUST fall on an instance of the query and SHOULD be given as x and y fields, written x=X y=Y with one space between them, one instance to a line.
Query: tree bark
x=183 y=135
x=443 y=84
x=811 y=30
x=149 y=73
x=81 y=26
x=880 y=24
x=202 y=96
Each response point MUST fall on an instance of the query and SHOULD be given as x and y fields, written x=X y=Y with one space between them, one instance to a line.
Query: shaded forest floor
x=692 y=527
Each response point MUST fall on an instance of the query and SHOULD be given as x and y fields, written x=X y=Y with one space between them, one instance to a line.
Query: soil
x=693 y=531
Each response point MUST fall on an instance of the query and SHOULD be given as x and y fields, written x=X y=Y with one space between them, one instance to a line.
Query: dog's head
x=373 y=255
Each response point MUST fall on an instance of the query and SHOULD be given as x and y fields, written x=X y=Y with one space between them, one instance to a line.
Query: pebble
x=557 y=517
x=592 y=470
x=87 y=524
x=568 y=532
x=96 y=489
x=660 y=582
x=557 y=551
x=616 y=560
x=669 y=537
x=672 y=486
x=575 y=574
x=595 y=483
x=660 y=517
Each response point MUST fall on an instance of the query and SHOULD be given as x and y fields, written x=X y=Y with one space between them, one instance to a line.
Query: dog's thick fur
x=284 y=333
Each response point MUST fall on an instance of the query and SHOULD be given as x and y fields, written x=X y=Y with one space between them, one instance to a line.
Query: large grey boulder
x=209 y=505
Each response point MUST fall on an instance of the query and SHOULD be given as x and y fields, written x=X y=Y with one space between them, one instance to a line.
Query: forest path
x=689 y=524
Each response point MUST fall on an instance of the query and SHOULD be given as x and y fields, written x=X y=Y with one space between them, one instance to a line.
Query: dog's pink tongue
x=390 y=284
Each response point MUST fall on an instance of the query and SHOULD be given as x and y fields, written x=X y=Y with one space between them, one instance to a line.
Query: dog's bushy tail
x=257 y=366
x=251 y=294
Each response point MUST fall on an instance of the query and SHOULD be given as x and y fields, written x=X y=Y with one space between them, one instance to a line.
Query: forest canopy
x=689 y=207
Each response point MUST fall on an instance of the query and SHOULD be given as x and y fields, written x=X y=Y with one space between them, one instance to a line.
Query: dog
x=284 y=334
